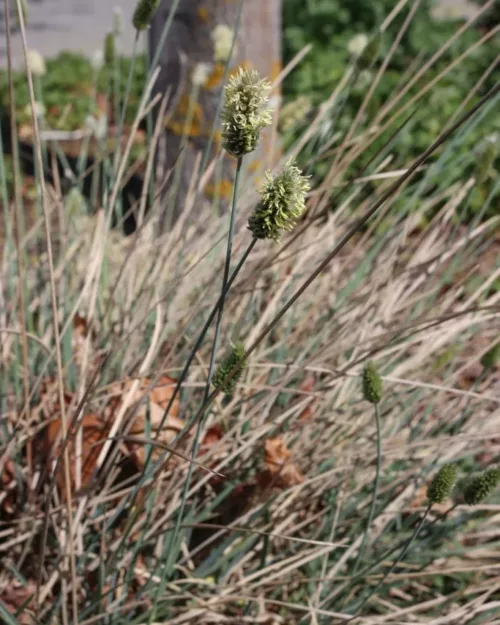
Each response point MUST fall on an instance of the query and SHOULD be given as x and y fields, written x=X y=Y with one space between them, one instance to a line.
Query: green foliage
x=330 y=26
x=68 y=88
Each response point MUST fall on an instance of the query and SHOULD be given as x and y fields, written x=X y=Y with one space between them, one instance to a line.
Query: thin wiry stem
x=396 y=562
x=225 y=278
x=220 y=313
x=17 y=239
x=125 y=101
x=375 y=490
x=57 y=338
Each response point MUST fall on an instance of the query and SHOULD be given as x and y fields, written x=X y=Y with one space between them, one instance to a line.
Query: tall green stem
x=375 y=491
x=220 y=312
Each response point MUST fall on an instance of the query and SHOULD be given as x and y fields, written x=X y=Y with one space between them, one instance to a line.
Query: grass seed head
x=282 y=202
x=143 y=13
x=440 y=488
x=243 y=115
x=235 y=358
x=477 y=488
x=372 y=384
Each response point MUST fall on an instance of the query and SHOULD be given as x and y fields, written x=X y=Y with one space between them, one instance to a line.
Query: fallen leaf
x=212 y=436
x=94 y=431
x=8 y=488
x=79 y=337
x=277 y=458
x=15 y=596
x=157 y=402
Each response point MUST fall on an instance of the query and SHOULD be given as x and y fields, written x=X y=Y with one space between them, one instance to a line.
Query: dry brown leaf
x=158 y=399
x=94 y=431
x=8 y=488
x=15 y=595
x=80 y=333
x=277 y=458
x=212 y=436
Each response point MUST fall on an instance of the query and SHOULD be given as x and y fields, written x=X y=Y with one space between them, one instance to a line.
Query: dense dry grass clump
x=248 y=487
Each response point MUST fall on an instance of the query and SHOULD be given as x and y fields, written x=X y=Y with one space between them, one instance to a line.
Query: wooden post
x=195 y=38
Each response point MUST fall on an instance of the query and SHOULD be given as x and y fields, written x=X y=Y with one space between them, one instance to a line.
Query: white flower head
x=357 y=44
x=97 y=60
x=222 y=36
x=39 y=107
x=98 y=127
x=36 y=63
x=201 y=72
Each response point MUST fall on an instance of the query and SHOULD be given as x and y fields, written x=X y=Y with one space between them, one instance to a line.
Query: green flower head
x=282 y=202
x=478 y=487
x=143 y=13
x=243 y=115
x=440 y=488
x=234 y=359
x=109 y=49
x=371 y=384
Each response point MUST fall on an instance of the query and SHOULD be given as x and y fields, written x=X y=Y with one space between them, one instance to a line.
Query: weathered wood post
x=196 y=51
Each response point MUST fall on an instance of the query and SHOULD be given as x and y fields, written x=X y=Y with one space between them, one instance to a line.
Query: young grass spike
x=372 y=384
x=281 y=205
x=440 y=488
x=233 y=359
x=477 y=488
x=143 y=13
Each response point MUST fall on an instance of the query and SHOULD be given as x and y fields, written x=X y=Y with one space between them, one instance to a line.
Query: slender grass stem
x=225 y=278
x=126 y=99
x=375 y=491
x=220 y=312
x=395 y=563
x=18 y=232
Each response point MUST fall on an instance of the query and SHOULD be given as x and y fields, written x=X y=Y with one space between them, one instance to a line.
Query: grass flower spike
x=477 y=488
x=243 y=115
x=372 y=384
x=143 y=13
x=440 y=488
x=235 y=358
x=281 y=205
